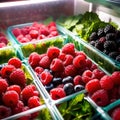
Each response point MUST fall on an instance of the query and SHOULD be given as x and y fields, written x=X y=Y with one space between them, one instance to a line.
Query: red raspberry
x=41 y=37
x=3 y=85
x=88 y=63
x=7 y=70
x=10 y=98
x=56 y=65
x=92 y=86
x=94 y=66
x=68 y=60
x=70 y=70
x=15 y=88
x=34 y=59
x=116 y=114
x=2 y=45
x=15 y=62
x=34 y=102
x=28 y=92
x=19 y=107
x=106 y=82
x=5 y=112
x=16 y=32
x=52 y=28
x=24 y=40
x=44 y=30
x=34 y=34
x=87 y=76
x=97 y=73
x=57 y=93
x=116 y=77
x=46 y=77
x=38 y=70
x=68 y=48
x=54 y=33
x=18 y=77
x=51 y=24
x=3 y=40
x=100 y=97
x=79 y=61
x=80 y=53
x=78 y=80
x=53 y=52
x=62 y=56
x=45 y=62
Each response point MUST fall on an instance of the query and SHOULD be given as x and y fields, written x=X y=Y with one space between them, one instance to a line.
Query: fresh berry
x=68 y=48
x=116 y=77
x=34 y=102
x=3 y=40
x=2 y=45
x=10 y=98
x=106 y=82
x=78 y=88
x=109 y=29
x=34 y=59
x=49 y=87
x=100 y=97
x=38 y=70
x=93 y=36
x=116 y=114
x=78 y=80
x=68 y=88
x=79 y=61
x=5 y=112
x=15 y=62
x=15 y=88
x=16 y=32
x=113 y=54
x=97 y=73
x=93 y=85
x=18 y=77
x=45 y=62
x=7 y=70
x=3 y=85
x=34 y=34
x=56 y=65
x=57 y=80
x=68 y=60
x=88 y=63
x=57 y=93
x=46 y=77
x=67 y=79
x=100 y=32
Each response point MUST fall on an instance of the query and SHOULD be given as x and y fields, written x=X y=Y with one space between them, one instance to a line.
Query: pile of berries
x=3 y=40
x=107 y=40
x=36 y=31
x=15 y=95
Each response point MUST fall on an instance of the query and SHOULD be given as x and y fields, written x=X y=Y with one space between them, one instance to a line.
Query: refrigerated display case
x=79 y=105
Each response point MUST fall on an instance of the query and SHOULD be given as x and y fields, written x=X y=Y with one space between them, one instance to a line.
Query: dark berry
x=56 y=81
x=99 y=45
x=113 y=54
x=67 y=79
x=93 y=36
x=78 y=88
x=49 y=87
x=68 y=88
x=109 y=29
x=100 y=32
x=110 y=36
x=118 y=58
x=92 y=43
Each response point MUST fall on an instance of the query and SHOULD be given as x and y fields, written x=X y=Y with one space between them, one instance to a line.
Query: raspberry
x=38 y=70
x=68 y=48
x=45 y=62
x=15 y=62
x=54 y=33
x=51 y=24
x=62 y=56
x=78 y=80
x=19 y=107
x=116 y=77
x=46 y=77
x=44 y=30
x=16 y=32
x=28 y=92
x=87 y=76
x=7 y=70
x=2 y=45
x=3 y=85
x=97 y=73
x=4 y=112
x=34 y=102
x=93 y=85
x=3 y=40
x=24 y=40
x=53 y=52
x=116 y=114
x=94 y=66
x=56 y=65
x=34 y=34
x=70 y=70
x=57 y=93
x=18 y=77
x=10 y=98
x=79 y=61
x=88 y=63
x=68 y=60
x=15 y=88
x=100 y=97
x=106 y=82
x=34 y=59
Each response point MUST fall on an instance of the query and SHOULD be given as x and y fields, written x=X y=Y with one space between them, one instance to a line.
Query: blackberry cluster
x=107 y=40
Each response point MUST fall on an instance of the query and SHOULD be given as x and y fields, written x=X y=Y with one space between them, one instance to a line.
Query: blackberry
x=113 y=54
x=110 y=45
x=100 y=32
x=118 y=58
x=118 y=42
x=117 y=33
x=109 y=29
x=92 y=43
x=106 y=52
x=110 y=36
x=93 y=36
x=99 y=45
